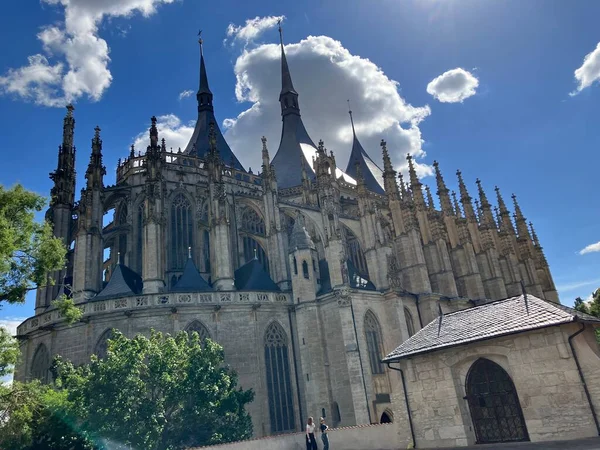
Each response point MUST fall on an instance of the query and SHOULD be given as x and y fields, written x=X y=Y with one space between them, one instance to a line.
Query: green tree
x=9 y=352
x=28 y=250
x=592 y=308
x=160 y=392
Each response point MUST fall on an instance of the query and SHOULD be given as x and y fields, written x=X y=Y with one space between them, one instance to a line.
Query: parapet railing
x=166 y=300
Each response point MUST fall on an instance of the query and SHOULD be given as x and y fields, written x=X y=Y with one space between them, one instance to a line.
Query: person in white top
x=311 y=442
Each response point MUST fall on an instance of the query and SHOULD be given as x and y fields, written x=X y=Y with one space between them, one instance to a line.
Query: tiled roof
x=191 y=280
x=123 y=281
x=494 y=319
x=253 y=277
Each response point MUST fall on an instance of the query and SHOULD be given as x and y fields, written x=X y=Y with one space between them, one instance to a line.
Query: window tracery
x=252 y=222
x=199 y=328
x=374 y=347
x=40 y=365
x=356 y=254
x=102 y=344
x=182 y=230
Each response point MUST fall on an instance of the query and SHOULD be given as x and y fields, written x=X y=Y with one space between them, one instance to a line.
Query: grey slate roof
x=253 y=277
x=371 y=172
x=300 y=239
x=494 y=319
x=123 y=281
x=191 y=280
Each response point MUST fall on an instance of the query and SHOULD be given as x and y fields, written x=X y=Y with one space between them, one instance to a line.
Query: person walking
x=324 y=436
x=311 y=441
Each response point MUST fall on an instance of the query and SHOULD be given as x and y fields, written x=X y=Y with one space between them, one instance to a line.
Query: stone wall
x=542 y=368
x=367 y=437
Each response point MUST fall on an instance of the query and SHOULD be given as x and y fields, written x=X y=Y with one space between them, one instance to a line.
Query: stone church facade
x=305 y=273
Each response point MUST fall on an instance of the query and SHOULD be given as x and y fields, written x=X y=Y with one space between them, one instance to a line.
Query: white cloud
x=453 y=86
x=11 y=324
x=590 y=248
x=185 y=94
x=325 y=74
x=170 y=127
x=589 y=70
x=252 y=29
x=81 y=56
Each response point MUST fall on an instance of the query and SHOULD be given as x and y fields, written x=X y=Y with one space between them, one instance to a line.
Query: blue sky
x=516 y=127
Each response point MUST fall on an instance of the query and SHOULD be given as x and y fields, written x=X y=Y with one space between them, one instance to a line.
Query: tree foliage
x=160 y=392
x=28 y=250
x=592 y=307
x=9 y=351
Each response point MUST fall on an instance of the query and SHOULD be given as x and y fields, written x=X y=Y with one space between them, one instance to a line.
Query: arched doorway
x=495 y=409
x=386 y=417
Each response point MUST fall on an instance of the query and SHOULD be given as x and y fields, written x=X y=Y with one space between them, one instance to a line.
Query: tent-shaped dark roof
x=191 y=280
x=123 y=281
x=253 y=277
x=357 y=280
x=371 y=172
x=499 y=318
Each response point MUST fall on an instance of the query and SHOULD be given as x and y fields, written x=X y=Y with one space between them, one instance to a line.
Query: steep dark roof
x=494 y=319
x=253 y=277
x=371 y=172
x=287 y=160
x=300 y=239
x=123 y=281
x=191 y=280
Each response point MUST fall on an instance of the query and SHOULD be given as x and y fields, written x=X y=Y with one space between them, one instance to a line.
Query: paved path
x=580 y=444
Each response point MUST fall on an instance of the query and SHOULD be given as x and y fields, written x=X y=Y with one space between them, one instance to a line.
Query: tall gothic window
x=374 y=347
x=102 y=344
x=40 y=365
x=252 y=222
x=356 y=254
x=410 y=326
x=140 y=237
x=250 y=247
x=206 y=250
x=182 y=230
x=305 y=269
x=279 y=387
x=199 y=328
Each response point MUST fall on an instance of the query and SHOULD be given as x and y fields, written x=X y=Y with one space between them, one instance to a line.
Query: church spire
x=198 y=144
x=430 y=203
x=487 y=217
x=96 y=170
x=63 y=191
x=389 y=174
x=288 y=98
x=456 y=205
x=442 y=190
x=505 y=222
x=520 y=220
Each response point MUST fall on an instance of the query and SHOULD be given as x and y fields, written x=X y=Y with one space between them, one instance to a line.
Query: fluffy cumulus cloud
x=251 y=30
x=325 y=74
x=453 y=86
x=170 y=128
x=74 y=62
x=589 y=70
x=590 y=248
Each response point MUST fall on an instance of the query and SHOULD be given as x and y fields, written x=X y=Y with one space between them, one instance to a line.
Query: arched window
x=279 y=387
x=252 y=248
x=356 y=254
x=140 y=238
x=102 y=344
x=122 y=214
x=199 y=328
x=336 y=417
x=295 y=266
x=252 y=222
x=182 y=230
x=373 y=337
x=305 y=269
x=40 y=365
x=410 y=326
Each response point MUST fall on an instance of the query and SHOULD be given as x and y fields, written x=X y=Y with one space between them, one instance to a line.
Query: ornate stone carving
x=342 y=296
x=394 y=277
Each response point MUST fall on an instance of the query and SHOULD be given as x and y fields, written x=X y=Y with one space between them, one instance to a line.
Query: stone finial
x=457 y=211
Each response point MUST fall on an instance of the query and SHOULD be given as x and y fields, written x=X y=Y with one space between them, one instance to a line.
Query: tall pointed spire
x=389 y=174
x=430 y=203
x=522 y=229
x=198 y=144
x=403 y=190
x=505 y=221
x=415 y=184
x=534 y=237
x=465 y=198
x=457 y=211
x=373 y=175
x=95 y=171
x=442 y=190
x=287 y=87
x=63 y=191
x=487 y=216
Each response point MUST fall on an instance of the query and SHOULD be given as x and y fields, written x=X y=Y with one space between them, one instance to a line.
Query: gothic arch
x=251 y=221
x=40 y=365
x=355 y=252
x=279 y=385
x=372 y=331
x=387 y=416
x=101 y=346
x=198 y=327
x=138 y=220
